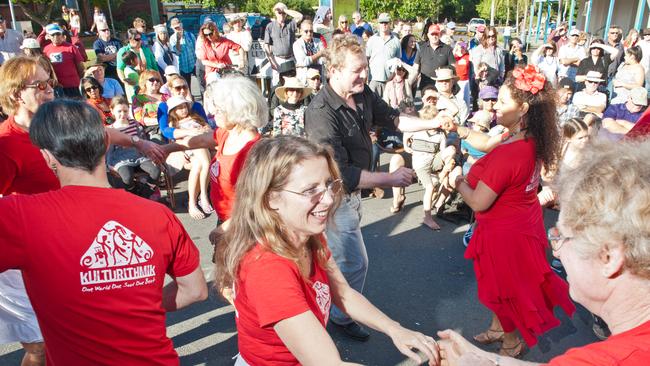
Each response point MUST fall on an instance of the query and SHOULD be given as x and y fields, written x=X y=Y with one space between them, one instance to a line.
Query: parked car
x=473 y=23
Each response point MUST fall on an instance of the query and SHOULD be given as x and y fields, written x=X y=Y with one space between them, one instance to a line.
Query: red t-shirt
x=511 y=171
x=462 y=67
x=22 y=166
x=269 y=289
x=224 y=172
x=631 y=348
x=216 y=52
x=65 y=58
x=94 y=262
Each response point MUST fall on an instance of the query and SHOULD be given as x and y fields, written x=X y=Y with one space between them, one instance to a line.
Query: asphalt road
x=416 y=276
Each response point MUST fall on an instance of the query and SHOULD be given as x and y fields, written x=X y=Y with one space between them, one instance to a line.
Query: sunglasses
x=207 y=34
x=492 y=36
x=91 y=88
x=137 y=39
x=153 y=80
x=383 y=22
x=179 y=88
x=493 y=100
x=41 y=84
x=344 y=22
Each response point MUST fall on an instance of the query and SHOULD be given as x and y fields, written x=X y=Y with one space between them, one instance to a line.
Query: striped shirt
x=187 y=55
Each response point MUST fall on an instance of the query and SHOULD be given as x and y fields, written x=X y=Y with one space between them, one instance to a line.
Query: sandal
x=195 y=213
x=489 y=336
x=395 y=209
x=514 y=351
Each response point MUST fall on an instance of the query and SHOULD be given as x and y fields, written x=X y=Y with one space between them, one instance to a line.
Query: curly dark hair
x=540 y=120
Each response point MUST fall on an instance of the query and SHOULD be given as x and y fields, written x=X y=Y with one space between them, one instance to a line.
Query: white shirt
x=569 y=51
x=582 y=99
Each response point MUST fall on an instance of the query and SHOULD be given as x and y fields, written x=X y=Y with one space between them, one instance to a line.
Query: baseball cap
x=171 y=70
x=53 y=28
x=488 y=92
x=567 y=83
x=451 y=25
x=639 y=96
x=30 y=43
x=383 y=18
x=480 y=28
x=574 y=32
x=435 y=28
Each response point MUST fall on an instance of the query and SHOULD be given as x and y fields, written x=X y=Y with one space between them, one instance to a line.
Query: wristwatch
x=135 y=140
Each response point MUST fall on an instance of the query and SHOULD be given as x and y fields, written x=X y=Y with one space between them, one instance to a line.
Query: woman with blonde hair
x=145 y=103
x=276 y=255
x=603 y=239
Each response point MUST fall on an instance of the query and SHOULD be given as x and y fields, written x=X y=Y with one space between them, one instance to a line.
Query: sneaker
x=355 y=331
x=557 y=266
x=468 y=235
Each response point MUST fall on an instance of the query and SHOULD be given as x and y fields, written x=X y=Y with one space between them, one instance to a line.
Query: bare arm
x=296 y=15
x=406 y=123
x=80 y=69
x=479 y=141
x=185 y=290
x=148 y=148
x=308 y=341
x=269 y=55
x=479 y=199
x=106 y=58
x=620 y=126
x=359 y=308
x=458 y=351
x=203 y=140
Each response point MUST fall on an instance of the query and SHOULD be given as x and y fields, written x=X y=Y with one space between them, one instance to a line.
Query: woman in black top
x=600 y=56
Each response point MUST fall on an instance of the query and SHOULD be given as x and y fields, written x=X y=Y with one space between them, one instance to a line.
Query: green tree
x=258 y=6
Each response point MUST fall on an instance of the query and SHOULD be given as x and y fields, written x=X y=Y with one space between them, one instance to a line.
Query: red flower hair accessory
x=529 y=79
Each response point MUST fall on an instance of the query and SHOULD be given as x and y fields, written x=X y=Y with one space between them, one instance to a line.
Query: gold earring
x=53 y=167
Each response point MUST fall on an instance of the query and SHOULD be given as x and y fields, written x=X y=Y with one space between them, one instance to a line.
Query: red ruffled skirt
x=514 y=278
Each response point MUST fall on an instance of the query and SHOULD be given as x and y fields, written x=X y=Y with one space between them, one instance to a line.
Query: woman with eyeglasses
x=145 y=59
x=178 y=87
x=24 y=86
x=489 y=52
x=508 y=246
x=284 y=276
x=92 y=91
x=603 y=239
x=146 y=101
x=213 y=51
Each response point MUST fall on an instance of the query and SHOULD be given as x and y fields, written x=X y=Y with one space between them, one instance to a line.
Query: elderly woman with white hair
x=603 y=240
x=239 y=109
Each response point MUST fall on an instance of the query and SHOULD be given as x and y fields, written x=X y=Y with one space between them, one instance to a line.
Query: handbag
x=424 y=146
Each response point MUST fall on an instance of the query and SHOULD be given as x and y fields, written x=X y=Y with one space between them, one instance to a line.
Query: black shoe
x=355 y=331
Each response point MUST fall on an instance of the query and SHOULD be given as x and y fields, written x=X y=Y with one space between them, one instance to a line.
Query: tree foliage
x=258 y=6
x=460 y=10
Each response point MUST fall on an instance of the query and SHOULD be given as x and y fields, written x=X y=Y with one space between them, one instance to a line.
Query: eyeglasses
x=556 y=239
x=179 y=88
x=154 y=80
x=104 y=30
x=41 y=84
x=308 y=31
x=91 y=88
x=316 y=194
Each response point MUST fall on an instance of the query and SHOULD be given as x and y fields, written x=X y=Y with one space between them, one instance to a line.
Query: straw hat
x=292 y=83
x=444 y=73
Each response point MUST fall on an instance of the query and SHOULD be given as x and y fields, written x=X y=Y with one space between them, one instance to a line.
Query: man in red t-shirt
x=66 y=59
x=94 y=259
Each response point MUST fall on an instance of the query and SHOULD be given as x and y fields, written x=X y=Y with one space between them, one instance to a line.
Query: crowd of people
x=284 y=173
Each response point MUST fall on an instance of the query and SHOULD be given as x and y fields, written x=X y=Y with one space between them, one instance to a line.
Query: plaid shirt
x=187 y=55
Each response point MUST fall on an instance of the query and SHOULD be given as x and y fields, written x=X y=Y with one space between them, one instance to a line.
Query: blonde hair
x=337 y=50
x=144 y=77
x=13 y=75
x=428 y=112
x=253 y=221
x=240 y=100
x=606 y=200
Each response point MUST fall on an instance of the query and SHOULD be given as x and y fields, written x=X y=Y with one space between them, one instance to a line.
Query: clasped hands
x=451 y=350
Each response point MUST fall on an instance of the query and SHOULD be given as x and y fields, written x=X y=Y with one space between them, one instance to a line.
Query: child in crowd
x=182 y=117
x=126 y=161
x=131 y=74
x=432 y=162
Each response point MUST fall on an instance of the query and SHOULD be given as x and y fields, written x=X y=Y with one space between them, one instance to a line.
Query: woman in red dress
x=509 y=244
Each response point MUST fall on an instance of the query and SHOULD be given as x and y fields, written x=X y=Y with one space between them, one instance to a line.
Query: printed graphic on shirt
x=323 y=298
x=214 y=170
x=56 y=58
x=116 y=259
x=534 y=180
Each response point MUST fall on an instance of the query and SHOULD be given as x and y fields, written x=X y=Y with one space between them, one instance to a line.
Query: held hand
x=402 y=177
x=454 y=348
x=152 y=151
x=406 y=340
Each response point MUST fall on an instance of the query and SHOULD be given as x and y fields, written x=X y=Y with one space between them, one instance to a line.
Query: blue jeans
x=348 y=249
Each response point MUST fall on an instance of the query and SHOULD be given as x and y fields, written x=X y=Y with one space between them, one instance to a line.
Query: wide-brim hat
x=30 y=43
x=574 y=32
x=293 y=83
x=482 y=119
x=97 y=63
x=594 y=76
x=175 y=101
x=445 y=74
